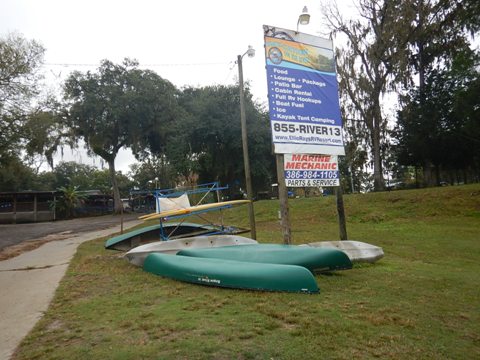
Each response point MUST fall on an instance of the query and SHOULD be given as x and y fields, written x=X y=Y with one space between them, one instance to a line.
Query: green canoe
x=232 y=274
x=314 y=259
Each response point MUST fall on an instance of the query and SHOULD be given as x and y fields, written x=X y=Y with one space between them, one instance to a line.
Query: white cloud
x=169 y=34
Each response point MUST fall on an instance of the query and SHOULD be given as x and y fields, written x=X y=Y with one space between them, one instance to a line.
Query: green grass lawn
x=422 y=300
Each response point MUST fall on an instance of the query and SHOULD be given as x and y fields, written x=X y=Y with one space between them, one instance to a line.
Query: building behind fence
x=37 y=206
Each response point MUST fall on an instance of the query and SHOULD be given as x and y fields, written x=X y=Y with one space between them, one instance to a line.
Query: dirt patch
x=28 y=245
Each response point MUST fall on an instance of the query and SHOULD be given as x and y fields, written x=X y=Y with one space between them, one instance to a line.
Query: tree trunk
x=416 y=177
x=421 y=58
x=117 y=202
x=429 y=177
x=437 y=175
x=378 y=182
x=421 y=73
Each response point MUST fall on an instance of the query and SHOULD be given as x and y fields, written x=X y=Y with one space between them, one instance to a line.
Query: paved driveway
x=13 y=234
x=28 y=281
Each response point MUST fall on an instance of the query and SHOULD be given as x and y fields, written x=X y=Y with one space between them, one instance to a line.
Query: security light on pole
x=248 y=181
x=304 y=17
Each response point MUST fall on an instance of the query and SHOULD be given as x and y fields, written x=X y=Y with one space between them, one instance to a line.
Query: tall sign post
x=304 y=105
x=283 y=198
x=342 y=226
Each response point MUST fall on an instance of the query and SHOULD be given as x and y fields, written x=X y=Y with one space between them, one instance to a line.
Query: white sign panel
x=307 y=170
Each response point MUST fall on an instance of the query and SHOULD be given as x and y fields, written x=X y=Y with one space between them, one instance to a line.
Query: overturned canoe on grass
x=137 y=255
x=314 y=259
x=357 y=251
x=232 y=274
x=148 y=234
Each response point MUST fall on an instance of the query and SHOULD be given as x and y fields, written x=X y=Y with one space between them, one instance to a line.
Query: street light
x=251 y=53
x=304 y=17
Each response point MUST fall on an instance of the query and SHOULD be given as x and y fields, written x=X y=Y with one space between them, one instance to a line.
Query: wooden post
x=121 y=218
x=54 y=207
x=283 y=198
x=14 y=208
x=341 y=214
x=35 y=208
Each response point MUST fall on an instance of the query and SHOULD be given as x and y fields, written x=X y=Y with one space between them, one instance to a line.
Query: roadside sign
x=307 y=170
x=302 y=93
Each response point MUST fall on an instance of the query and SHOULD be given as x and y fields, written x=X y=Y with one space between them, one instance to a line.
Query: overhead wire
x=67 y=65
x=141 y=65
x=231 y=65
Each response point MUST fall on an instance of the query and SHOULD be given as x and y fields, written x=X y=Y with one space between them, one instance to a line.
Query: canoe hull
x=357 y=251
x=315 y=260
x=150 y=234
x=232 y=274
x=137 y=255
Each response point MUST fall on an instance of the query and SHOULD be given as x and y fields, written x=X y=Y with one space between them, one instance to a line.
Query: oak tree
x=120 y=106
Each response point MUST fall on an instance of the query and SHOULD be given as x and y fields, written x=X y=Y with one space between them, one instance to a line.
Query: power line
x=141 y=65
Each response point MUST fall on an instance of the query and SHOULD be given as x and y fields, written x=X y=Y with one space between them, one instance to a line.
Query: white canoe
x=357 y=251
x=137 y=255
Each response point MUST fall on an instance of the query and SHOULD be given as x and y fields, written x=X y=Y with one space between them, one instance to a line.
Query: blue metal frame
x=175 y=192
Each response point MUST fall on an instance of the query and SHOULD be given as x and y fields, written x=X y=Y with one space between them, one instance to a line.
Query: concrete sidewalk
x=28 y=283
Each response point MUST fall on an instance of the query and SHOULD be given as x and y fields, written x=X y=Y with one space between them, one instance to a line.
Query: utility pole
x=246 y=162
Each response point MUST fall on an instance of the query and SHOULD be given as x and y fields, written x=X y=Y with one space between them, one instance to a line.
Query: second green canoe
x=314 y=259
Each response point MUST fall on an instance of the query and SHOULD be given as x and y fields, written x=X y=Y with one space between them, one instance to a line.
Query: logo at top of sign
x=275 y=55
